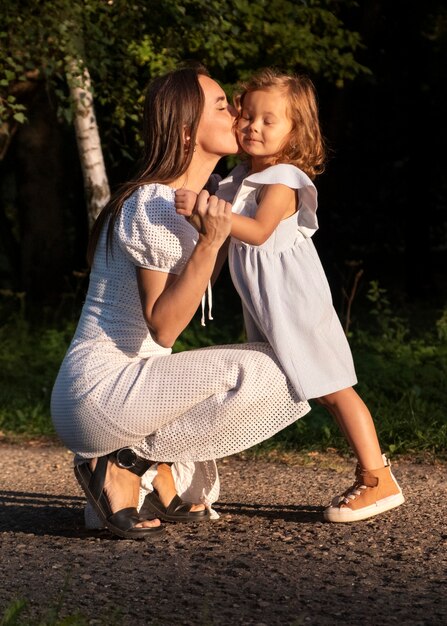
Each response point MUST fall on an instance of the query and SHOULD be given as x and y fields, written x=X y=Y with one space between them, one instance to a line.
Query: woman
x=121 y=400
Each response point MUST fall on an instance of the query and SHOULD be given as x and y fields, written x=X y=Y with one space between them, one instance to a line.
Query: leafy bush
x=30 y=356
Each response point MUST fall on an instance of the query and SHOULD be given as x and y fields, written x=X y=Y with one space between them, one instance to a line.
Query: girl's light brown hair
x=173 y=102
x=305 y=147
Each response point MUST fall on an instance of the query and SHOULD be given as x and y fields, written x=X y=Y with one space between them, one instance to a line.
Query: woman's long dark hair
x=173 y=105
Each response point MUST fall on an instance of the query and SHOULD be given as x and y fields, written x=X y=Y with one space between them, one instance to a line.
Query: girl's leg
x=375 y=489
x=355 y=421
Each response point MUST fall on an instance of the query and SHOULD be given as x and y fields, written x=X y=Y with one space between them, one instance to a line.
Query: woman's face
x=216 y=133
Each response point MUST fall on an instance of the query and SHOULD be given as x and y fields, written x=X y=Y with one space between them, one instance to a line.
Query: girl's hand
x=215 y=218
x=185 y=201
x=185 y=204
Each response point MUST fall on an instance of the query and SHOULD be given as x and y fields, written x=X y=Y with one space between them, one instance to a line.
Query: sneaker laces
x=356 y=490
x=353 y=492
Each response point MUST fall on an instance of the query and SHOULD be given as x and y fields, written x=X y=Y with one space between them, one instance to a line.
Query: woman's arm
x=221 y=258
x=169 y=301
x=277 y=202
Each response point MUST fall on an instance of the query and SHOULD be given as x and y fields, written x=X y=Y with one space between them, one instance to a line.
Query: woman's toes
x=198 y=507
x=152 y=523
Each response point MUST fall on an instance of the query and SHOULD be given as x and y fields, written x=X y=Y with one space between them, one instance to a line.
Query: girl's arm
x=169 y=301
x=277 y=202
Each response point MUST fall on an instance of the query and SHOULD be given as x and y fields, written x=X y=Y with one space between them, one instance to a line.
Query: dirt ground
x=269 y=560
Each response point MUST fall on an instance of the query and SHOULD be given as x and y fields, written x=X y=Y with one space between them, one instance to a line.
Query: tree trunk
x=96 y=184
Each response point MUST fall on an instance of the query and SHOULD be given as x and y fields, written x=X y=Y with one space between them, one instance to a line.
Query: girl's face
x=264 y=125
x=216 y=134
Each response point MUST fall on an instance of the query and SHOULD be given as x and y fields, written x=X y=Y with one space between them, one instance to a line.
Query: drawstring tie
x=208 y=293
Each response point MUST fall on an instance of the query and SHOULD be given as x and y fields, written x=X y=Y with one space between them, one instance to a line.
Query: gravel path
x=270 y=559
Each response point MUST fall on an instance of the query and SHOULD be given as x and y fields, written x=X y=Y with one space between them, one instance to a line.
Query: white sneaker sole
x=345 y=514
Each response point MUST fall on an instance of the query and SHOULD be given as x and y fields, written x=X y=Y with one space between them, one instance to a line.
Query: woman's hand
x=202 y=209
x=215 y=219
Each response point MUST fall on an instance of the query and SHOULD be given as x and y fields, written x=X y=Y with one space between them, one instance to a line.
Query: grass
x=401 y=367
x=18 y=613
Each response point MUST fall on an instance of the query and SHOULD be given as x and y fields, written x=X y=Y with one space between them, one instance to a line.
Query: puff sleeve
x=151 y=234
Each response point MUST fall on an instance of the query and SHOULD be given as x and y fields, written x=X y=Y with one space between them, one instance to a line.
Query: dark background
x=382 y=206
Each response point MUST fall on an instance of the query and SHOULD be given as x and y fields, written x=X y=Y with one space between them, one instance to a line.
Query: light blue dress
x=285 y=294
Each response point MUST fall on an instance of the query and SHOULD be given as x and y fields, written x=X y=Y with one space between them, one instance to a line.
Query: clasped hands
x=210 y=215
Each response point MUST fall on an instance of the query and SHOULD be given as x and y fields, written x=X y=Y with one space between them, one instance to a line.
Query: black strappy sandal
x=122 y=523
x=176 y=511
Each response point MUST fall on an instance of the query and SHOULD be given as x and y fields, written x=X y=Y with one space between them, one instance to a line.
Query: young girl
x=276 y=270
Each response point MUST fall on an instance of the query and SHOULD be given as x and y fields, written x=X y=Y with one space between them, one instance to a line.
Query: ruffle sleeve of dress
x=284 y=174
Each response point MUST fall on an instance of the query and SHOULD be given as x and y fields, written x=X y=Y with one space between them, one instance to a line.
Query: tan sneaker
x=374 y=492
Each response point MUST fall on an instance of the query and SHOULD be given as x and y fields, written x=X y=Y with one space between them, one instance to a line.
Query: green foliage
x=12 y=613
x=403 y=377
x=30 y=356
x=441 y=327
x=196 y=336
x=15 y=615
x=124 y=44
x=20 y=613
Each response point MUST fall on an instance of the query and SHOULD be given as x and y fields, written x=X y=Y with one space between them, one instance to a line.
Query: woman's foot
x=374 y=492
x=166 y=504
x=122 y=489
x=113 y=492
x=164 y=485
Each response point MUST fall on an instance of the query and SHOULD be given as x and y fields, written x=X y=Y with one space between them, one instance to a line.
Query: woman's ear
x=186 y=137
x=187 y=140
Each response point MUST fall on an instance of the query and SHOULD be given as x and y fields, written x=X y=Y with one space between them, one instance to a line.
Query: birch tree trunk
x=96 y=184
